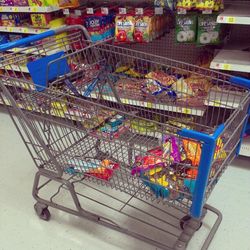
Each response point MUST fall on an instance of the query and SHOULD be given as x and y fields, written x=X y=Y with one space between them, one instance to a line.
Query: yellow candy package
x=205 y=4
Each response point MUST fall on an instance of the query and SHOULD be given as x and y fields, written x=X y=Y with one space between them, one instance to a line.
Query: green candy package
x=208 y=32
x=186 y=26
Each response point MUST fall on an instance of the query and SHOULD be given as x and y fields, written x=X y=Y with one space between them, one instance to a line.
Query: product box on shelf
x=20 y=3
x=6 y=3
x=43 y=3
x=10 y=19
x=70 y=3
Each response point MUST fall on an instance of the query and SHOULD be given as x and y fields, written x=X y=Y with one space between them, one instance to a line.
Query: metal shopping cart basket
x=140 y=136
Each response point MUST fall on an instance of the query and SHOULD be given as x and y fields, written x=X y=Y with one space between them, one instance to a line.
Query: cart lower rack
x=120 y=129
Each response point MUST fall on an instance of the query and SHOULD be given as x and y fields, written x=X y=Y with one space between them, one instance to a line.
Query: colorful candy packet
x=193 y=151
x=161 y=77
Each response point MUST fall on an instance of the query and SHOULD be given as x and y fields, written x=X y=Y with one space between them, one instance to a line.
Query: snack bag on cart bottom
x=100 y=169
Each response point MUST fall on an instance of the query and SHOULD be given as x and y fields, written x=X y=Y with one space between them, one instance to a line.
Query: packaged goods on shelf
x=43 y=3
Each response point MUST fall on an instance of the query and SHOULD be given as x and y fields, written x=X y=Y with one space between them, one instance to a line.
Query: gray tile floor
x=21 y=229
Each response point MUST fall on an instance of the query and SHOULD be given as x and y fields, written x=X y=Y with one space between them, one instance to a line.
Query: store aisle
x=21 y=229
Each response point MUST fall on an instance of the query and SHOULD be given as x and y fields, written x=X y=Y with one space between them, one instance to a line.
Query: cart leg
x=41 y=207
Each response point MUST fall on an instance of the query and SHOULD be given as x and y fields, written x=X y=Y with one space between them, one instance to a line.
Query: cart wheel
x=185 y=220
x=42 y=211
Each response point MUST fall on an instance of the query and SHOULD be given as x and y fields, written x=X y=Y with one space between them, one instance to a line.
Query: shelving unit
x=18 y=68
x=245 y=147
x=235 y=14
x=28 y=9
x=232 y=60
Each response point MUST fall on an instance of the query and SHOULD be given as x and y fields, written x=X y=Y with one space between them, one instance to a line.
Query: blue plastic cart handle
x=26 y=40
x=243 y=82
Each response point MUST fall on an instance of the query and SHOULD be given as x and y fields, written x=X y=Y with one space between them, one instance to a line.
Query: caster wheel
x=185 y=220
x=42 y=211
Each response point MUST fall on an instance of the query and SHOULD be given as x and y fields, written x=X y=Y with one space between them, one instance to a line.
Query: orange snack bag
x=193 y=151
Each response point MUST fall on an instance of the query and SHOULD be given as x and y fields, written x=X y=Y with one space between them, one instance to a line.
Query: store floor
x=21 y=229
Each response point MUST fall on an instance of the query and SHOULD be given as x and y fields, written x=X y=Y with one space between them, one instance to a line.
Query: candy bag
x=143 y=29
x=193 y=151
x=160 y=76
x=152 y=87
x=182 y=89
x=170 y=148
x=124 y=28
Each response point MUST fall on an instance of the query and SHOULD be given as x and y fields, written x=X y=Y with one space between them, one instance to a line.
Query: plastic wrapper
x=161 y=77
x=193 y=151
x=182 y=89
x=99 y=169
x=171 y=148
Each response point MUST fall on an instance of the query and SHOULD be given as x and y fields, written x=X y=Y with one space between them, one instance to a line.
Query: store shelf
x=18 y=68
x=37 y=51
x=235 y=14
x=171 y=108
x=24 y=30
x=245 y=147
x=224 y=99
x=232 y=60
x=29 y=9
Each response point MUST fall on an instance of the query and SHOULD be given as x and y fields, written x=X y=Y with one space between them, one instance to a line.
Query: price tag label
x=25 y=30
x=15 y=9
x=149 y=105
x=78 y=13
x=104 y=10
x=226 y=66
x=158 y=11
x=66 y=11
x=34 y=9
x=231 y=19
x=182 y=11
x=207 y=11
x=90 y=11
x=217 y=103
x=10 y=29
x=126 y=101
x=186 y=111
x=1 y=9
x=139 y=11
x=122 y=11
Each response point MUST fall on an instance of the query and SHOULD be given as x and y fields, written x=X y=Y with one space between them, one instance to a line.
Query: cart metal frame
x=42 y=133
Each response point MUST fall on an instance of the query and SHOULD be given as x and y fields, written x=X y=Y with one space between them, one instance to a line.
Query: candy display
x=208 y=30
x=41 y=20
x=143 y=28
x=100 y=26
x=92 y=167
x=124 y=28
x=14 y=19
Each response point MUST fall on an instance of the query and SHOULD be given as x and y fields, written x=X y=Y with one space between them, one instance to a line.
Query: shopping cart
x=98 y=119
